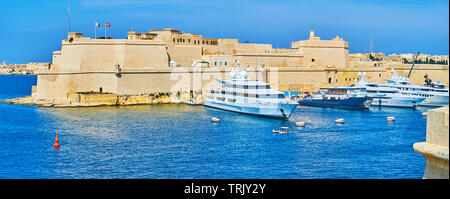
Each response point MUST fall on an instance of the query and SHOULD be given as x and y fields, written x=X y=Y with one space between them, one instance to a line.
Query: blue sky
x=31 y=30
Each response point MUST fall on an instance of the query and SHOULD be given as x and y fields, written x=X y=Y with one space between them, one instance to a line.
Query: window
x=226 y=63
x=329 y=80
x=173 y=39
x=189 y=40
x=312 y=60
x=220 y=63
x=215 y=63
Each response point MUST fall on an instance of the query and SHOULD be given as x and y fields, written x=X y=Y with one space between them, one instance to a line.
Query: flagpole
x=95 y=34
x=69 y=14
x=105 y=29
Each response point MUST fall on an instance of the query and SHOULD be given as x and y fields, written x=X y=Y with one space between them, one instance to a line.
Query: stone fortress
x=182 y=65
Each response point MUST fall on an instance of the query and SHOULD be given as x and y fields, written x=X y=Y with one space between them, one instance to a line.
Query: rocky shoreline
x=106 y=99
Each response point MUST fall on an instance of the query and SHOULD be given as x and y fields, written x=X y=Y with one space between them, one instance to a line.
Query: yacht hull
x=349 y=103
x=280 y=111
x=395 y=102
x=436 y=100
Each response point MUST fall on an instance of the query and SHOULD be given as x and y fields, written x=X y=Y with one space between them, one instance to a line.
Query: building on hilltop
x=186 y=48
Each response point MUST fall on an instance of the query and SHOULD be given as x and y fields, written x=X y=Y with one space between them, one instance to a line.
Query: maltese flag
x=97 y=24
x=108 y=25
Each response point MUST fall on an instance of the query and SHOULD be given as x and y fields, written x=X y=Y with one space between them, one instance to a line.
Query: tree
x=405 y=61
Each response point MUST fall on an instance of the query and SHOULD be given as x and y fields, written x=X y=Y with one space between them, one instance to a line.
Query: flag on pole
x=95 y=30
x=107 y=25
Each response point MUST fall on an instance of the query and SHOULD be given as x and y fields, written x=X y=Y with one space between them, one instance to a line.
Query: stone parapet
x=435 y=149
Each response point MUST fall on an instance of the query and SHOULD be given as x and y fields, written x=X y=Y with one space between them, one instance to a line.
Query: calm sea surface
x=180 y=142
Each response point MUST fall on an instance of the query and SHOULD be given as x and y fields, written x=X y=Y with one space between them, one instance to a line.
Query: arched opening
x=312 y=60
x=101 y=90
x=329 y=80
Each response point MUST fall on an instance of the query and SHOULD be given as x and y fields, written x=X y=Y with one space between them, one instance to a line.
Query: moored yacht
x=387 y=96
x=239 y=94
x=338 y=97
x=435 y=94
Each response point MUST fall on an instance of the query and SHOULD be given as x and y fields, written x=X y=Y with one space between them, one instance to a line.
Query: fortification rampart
x=170 y=61
x=435 y=149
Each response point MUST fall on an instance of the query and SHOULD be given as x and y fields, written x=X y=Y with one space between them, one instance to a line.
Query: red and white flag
x=97 y=24
x=108 y=25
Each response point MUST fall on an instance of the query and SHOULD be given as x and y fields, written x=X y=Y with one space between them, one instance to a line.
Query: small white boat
x=300 y=124
x=193 y=102
x=215 y=119
x=340 y=121
x=282 y=130
x=424 y=114
x=390 y=119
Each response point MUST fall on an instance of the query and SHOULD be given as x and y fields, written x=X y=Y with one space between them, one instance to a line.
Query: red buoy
x=56 y=141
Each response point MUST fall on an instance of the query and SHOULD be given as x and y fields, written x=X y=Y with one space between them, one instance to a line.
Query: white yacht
x=242 y=95
x=435 y=94
x=387 y=96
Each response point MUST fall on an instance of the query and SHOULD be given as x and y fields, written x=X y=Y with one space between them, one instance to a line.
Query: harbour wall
x=59 y=85
x=435 y=149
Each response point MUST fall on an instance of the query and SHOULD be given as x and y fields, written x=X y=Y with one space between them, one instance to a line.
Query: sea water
x=179 y=141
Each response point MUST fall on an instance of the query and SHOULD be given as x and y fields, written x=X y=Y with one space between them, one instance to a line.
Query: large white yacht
x=435 y=94
x=242 y=95
x=387 y=96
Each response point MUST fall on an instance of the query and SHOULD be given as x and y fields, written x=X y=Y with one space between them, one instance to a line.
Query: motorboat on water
x=239 y=94
x=193 y=102
x=282 y=130
x=338 y=97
